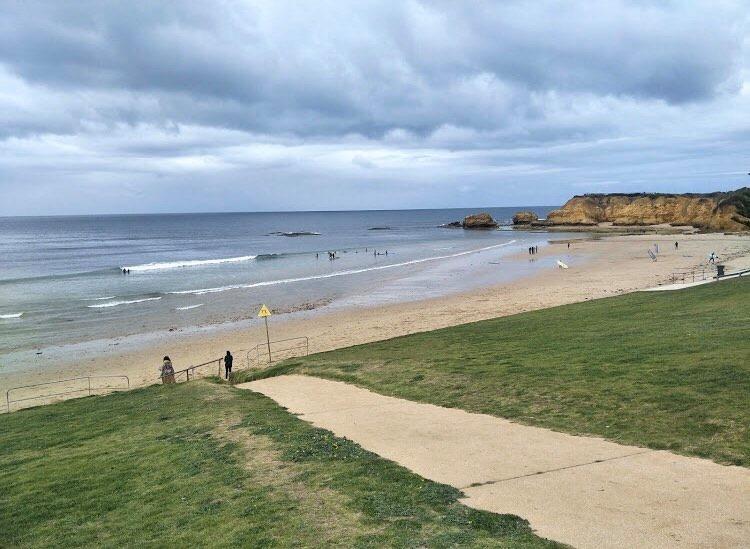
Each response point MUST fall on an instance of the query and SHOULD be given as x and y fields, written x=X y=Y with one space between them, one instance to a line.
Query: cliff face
x=721 y=211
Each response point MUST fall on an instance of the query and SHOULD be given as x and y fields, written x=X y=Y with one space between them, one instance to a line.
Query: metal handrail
x=187 y=371
x=88 y=389
x=693 y=274
x=262 y=347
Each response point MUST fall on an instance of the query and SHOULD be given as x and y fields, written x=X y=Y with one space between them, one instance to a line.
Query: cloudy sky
x=276 y=105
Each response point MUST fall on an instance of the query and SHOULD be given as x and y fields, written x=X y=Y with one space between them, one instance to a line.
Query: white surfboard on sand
x=561 y=264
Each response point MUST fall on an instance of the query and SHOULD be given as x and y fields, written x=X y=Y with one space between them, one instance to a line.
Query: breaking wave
x=204 y=291
x=116 y=303
x=186 y=263
x=188 y=307
x=12 y=315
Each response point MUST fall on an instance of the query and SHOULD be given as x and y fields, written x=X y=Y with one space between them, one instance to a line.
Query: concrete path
x=579 y=490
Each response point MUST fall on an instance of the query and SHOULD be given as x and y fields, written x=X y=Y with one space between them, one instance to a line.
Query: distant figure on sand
x=166 y=371
x=676 y=245
x=228 y=359
x=712 y=258
x=568 y=245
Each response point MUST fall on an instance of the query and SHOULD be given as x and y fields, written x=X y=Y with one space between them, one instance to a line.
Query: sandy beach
x=599 y=268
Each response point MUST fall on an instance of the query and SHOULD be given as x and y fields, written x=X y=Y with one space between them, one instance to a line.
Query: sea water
x=62 y=280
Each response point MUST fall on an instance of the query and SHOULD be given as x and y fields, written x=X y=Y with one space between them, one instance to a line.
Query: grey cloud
x=332 y=69
x=415 y=100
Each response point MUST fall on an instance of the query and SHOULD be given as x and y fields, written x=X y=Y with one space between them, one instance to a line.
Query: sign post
x=264 y=313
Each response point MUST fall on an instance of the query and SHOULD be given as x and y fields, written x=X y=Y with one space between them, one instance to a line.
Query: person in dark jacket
x=228 y=359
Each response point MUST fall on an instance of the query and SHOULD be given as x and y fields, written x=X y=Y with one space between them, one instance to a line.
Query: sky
x=125 y=107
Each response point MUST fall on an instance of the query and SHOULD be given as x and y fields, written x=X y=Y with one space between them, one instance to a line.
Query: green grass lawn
x=668 y=370
x=203 y=464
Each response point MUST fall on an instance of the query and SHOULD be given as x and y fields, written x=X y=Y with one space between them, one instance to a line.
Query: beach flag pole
x=264 y=313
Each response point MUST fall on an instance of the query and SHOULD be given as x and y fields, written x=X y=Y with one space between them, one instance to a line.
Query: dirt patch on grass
x=323 y=509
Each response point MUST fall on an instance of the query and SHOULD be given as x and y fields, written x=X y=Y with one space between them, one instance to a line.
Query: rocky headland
x=719 y=211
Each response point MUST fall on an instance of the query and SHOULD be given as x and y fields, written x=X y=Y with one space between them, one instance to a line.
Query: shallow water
x=61 y=279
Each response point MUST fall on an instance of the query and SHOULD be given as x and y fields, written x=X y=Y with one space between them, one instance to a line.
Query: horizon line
x=273 y=211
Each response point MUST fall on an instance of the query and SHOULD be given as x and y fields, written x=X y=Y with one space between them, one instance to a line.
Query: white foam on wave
x=187 y=263
x=12 y=315
x=338 y=273
x=100 y=298
x=188 y=307
x=116 y=303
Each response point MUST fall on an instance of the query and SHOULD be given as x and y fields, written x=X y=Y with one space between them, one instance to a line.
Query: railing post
x=89 y=378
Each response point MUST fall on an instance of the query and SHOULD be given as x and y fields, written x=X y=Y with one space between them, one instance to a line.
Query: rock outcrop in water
x=525 y=218
x=479 y=221
x=451 y=225
x=719 y=211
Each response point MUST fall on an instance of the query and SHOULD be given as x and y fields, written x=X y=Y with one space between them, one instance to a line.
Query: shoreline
x=600 y=266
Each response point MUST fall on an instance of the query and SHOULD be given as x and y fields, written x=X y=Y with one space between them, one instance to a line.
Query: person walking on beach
x=676 y=245
x=228 y=359
x=166 y=371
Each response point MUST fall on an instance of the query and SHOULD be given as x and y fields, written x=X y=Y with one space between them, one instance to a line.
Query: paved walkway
x=579 y=490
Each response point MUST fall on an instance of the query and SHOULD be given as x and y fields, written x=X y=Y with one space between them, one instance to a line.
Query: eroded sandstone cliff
x=720 y=211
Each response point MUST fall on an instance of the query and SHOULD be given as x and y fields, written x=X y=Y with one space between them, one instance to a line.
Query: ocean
x=62 y=280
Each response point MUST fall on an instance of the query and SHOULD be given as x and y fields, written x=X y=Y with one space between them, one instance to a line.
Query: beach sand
x=598 y=268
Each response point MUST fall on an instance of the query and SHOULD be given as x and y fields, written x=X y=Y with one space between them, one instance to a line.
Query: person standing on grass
x=167 y=371
x=228 y=359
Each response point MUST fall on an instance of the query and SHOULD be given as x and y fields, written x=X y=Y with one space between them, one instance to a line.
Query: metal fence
x=691 y=275
x=81 y=386
x=75 y=387
x=275 y=351
x=199 y=370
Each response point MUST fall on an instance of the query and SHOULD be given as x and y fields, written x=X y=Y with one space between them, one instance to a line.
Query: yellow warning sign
x=264 y=312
